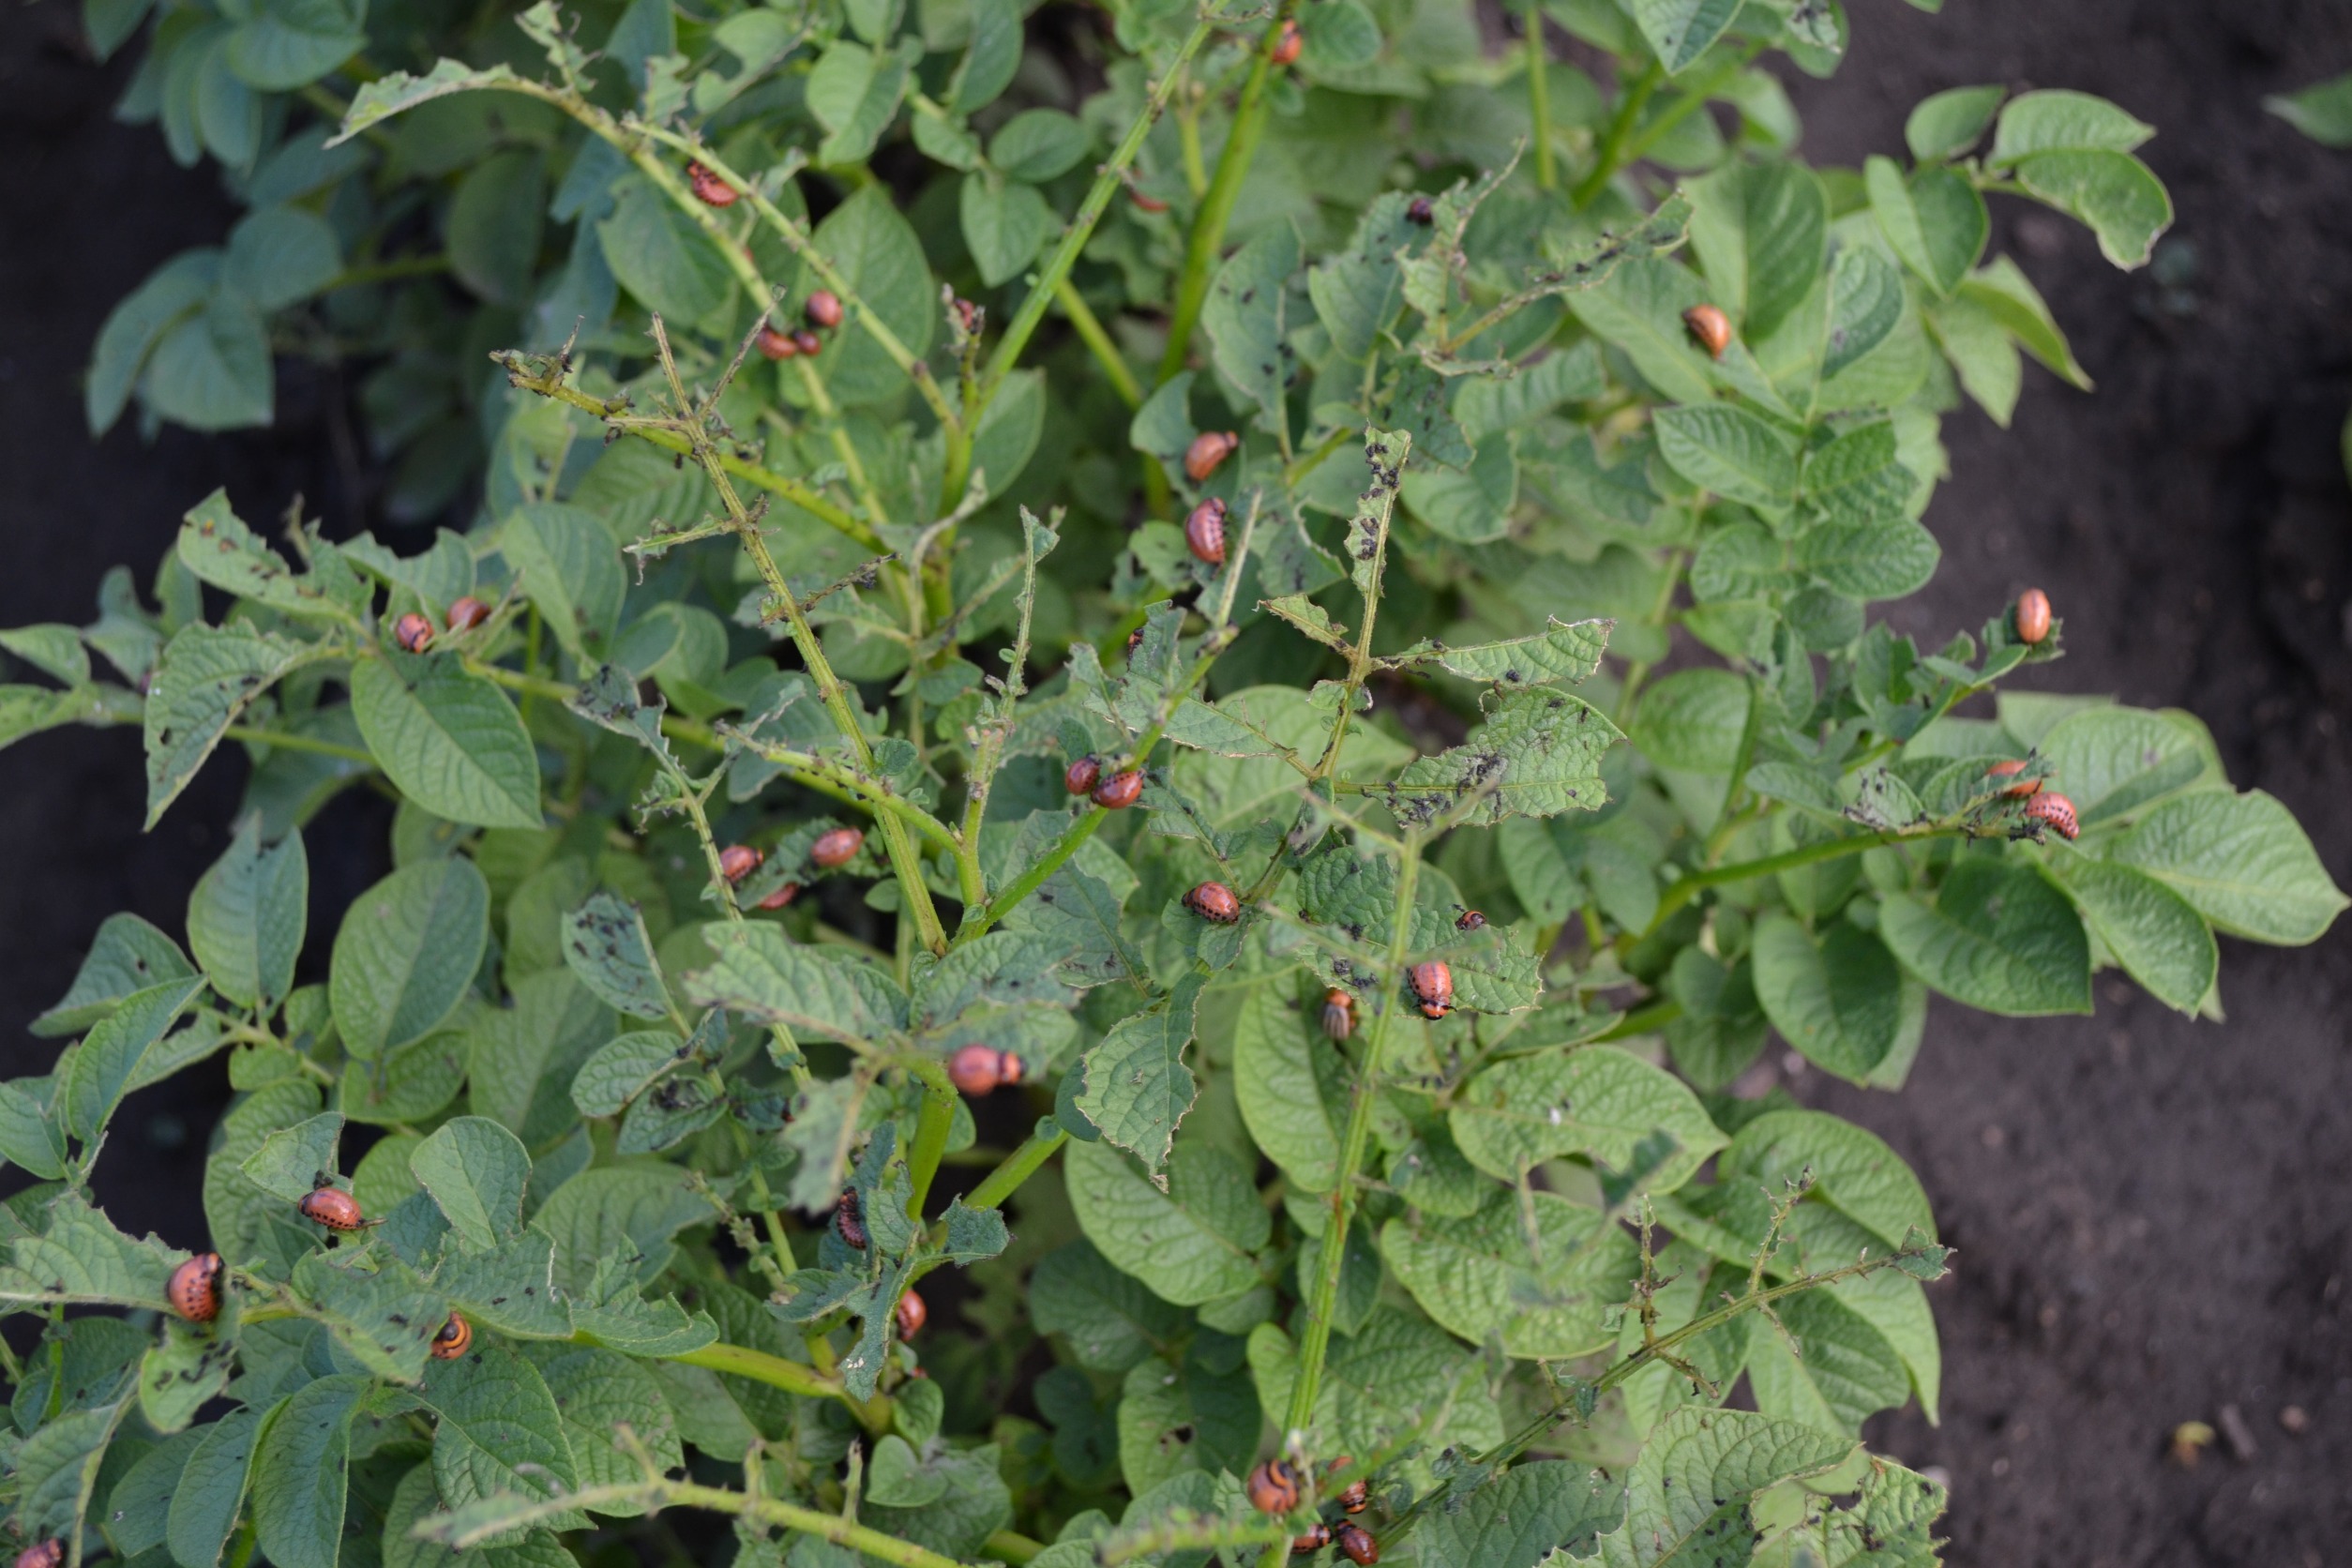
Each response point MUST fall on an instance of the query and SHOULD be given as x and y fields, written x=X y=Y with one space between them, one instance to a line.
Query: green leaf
x=212 y=371
x=1567 y=651
x=383 y=1320
x=30 y=1136
x=405 y=954
x=1005 y=223
x=127 y=957
x=280 y=255
x=523 y=1059
x=80 y=1258
x=1400 y=1379
x=1865 y=307
x=1596 y=1101
x=1137 y=1086
x=658 y=254
x=1935 y=221
x=494 y=224
x=2115 y=761
x=1110 y=1319
x=570 y=569
x=598 y=1392
x=1359 y=292
x=477 y=1172
x=513 y=1290
x=1723 y=449
x=57 y=1469
x=111 y=1057
x=396 y=91
x=1680 y=31
x=499 y=1430
x=2003 y=291
x=1840 y=999
x=285 y=44
x=1488 y=404
x=2240 y=861
x=1824 y=1365
x=1852 y=1170
x=2322 y=110
x=876 y=250
x=854 y=92
x=990 y=59
x=1998 y=937
x=605 y=945
x=1290 y=1083
x=409 y=1083
x=1885 y=558
x=217 y=546
x=1690 y=725
x=301 y=1472
x=826 y=992
x=2055 y=120
x=247 y=914
x=1761 y=230
x=1538 y=754
x=2112 y=192
x=974 y=1505
x=139 y=322
x=628 y=1210
x=291 y=1161
x=1518 y=1518
x=448 y=739
x=2154 y=933
x=140 y=1502
x=1688 y=1494
x=1038 y=144
x=206 y=678
x=1246 y=318
x=1947 y=124
x=211 y=1490
x=1191 y=1241
x=1640 y=309
x=1173 y=1419
x=1547 y=1278
x=621 y=1069
x=55 y=650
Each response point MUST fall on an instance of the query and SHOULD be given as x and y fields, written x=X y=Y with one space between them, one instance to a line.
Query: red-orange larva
x=1422 y=211
x=1355 y=1496
x=710 y=188
x=974 y=1070
x=1209 y=449
x=2055 y=810
x=1120 y=791
x=776 y=343
x=2011 y=770
x=1082 y=776
x=42 y=1554
x=1288 y=43
x=1274 y=1487
x=1340 y=1014
x=1317 y=1537
x=333 y=1208
x=413 y=632
x=1431 y=987
x=913 y=1315
x=2033 y=615
x=824 y=310
x=1204 y=532
x=809 y=344
x=1470 y=921
x=467 y=614
x=455 y=1338
x=1357 y=1543
x=738 y=861
x=194 y=1288
x=1145 y=203
x=850 y=1216
x=1010 y=1069
x=836 y=847
x=1214 y=902
x=780 y=898
x=1711 y=326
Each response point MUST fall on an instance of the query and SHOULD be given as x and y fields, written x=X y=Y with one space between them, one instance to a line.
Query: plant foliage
x=673 y=1134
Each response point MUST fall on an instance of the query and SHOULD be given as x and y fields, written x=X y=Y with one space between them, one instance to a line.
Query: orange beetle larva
x=1711 y=326
x=455 y=1337
x=194 y=1288
x=2033 y=615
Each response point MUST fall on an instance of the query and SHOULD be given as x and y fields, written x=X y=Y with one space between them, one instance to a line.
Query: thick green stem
x=1018 y=1167
x=1098 y=343
x=741 y=1361
x=1107 y=183
x=932 y=1126
x=655 y=1492
x=1217 y=207
x=1538 y=96
x=1614 y=141
x=1679 y=892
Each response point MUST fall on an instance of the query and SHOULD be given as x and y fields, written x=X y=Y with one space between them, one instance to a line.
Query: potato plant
x=1093 y=820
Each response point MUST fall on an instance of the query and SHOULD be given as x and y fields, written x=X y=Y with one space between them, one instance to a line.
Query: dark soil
x=2154 y=1217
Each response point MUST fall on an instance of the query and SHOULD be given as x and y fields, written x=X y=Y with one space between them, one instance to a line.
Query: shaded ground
x=2155 y=1217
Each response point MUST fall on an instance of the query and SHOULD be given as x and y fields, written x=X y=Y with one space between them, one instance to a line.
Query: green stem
x=1538 y=96
x=741 y=1361
x=1010 y=1547
x=655 y=1492
x=1642 y=1020
x=1018 y=1167
x=1315 y=1345
x=933 y=1124
x=291 y=741
x=1694 y=98
x=839 y=782
x=1677 y=894
x=1107 y=354
x=1107 y=183
x=1613 y=141
x=387 y=272
x=1217 y=207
